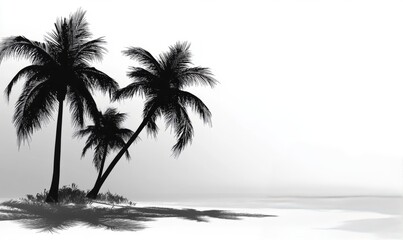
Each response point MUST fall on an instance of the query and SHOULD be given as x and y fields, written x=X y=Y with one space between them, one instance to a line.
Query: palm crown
x=60 y=68
x=105 y=136
x=162 y=82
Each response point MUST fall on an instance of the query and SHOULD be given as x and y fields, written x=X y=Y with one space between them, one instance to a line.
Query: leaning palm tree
x=59 y=69
x=161 y=82
x=104 y=136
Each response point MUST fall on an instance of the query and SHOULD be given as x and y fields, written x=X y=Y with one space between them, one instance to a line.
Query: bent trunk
x=101 y=169
x=53 y=195
x=98 y=184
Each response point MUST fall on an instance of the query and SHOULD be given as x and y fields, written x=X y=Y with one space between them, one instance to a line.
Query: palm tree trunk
x=53 y=195
x=101 y=169
x=98 y=184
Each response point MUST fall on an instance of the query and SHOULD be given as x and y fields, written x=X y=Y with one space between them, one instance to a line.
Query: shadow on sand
x=45 y=217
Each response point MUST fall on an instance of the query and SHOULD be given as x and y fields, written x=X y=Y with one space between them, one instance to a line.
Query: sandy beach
x=352 y=218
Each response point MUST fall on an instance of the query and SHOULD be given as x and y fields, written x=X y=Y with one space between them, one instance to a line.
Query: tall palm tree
x=104 y=136
x=59 y=69
x=161 y=82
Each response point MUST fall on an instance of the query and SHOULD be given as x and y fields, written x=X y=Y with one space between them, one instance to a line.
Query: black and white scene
x=258 y=120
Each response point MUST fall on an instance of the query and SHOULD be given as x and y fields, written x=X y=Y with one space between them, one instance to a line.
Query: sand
x=352 y=218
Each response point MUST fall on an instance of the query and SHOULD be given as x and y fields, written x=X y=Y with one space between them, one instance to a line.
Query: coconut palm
x=59 y=70
x=161 y=82
x=104 y=136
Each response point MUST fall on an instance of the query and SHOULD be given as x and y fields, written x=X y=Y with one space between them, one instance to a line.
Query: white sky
x=309 y=102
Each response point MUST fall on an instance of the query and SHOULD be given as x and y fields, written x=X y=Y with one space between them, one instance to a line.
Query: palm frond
x=188 y=99
x=149 y=105
x=91 y=50
x=152 y=128
x=88 y=144
x=97 y=79
x=76 y=103
x=144 y=57
x=135 y=88
x=124 y=133
x=90 y=105
x=99 y=152
x=177 y=58
x=170 y=114
x=70 y=31
x=81 y=102
x=141 y=75
x=28 y=72
x=112 y=118
x=196 y=75
x=183 y=130
x=84 y=132
x=79 y=26
x=21 y=47
x=34 y=106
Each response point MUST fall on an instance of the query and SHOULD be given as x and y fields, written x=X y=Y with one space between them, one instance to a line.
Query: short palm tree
x=59 y=69
x=162 y=82
x=105 y=136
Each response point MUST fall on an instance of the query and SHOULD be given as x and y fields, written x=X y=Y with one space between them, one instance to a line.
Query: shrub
x=71 y=194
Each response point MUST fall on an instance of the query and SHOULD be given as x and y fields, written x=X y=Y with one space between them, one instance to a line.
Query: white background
x=310 y=100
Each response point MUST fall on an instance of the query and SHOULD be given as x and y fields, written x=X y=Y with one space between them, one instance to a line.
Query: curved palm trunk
x=101 y=169
x=53 y=195
x=98 y=184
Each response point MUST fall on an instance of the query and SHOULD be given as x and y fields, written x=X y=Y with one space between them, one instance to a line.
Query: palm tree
x=59 y=69
x=161 y=82
x=104 y=136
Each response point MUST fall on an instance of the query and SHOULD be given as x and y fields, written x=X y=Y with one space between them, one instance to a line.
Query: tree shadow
x=54 y=217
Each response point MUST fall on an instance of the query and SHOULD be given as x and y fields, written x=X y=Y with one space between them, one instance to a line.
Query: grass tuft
x=71 y=194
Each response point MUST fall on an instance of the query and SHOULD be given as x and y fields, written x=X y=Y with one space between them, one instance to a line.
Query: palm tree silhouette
x=59 y=70
x=161 y=82
x=104 y=136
